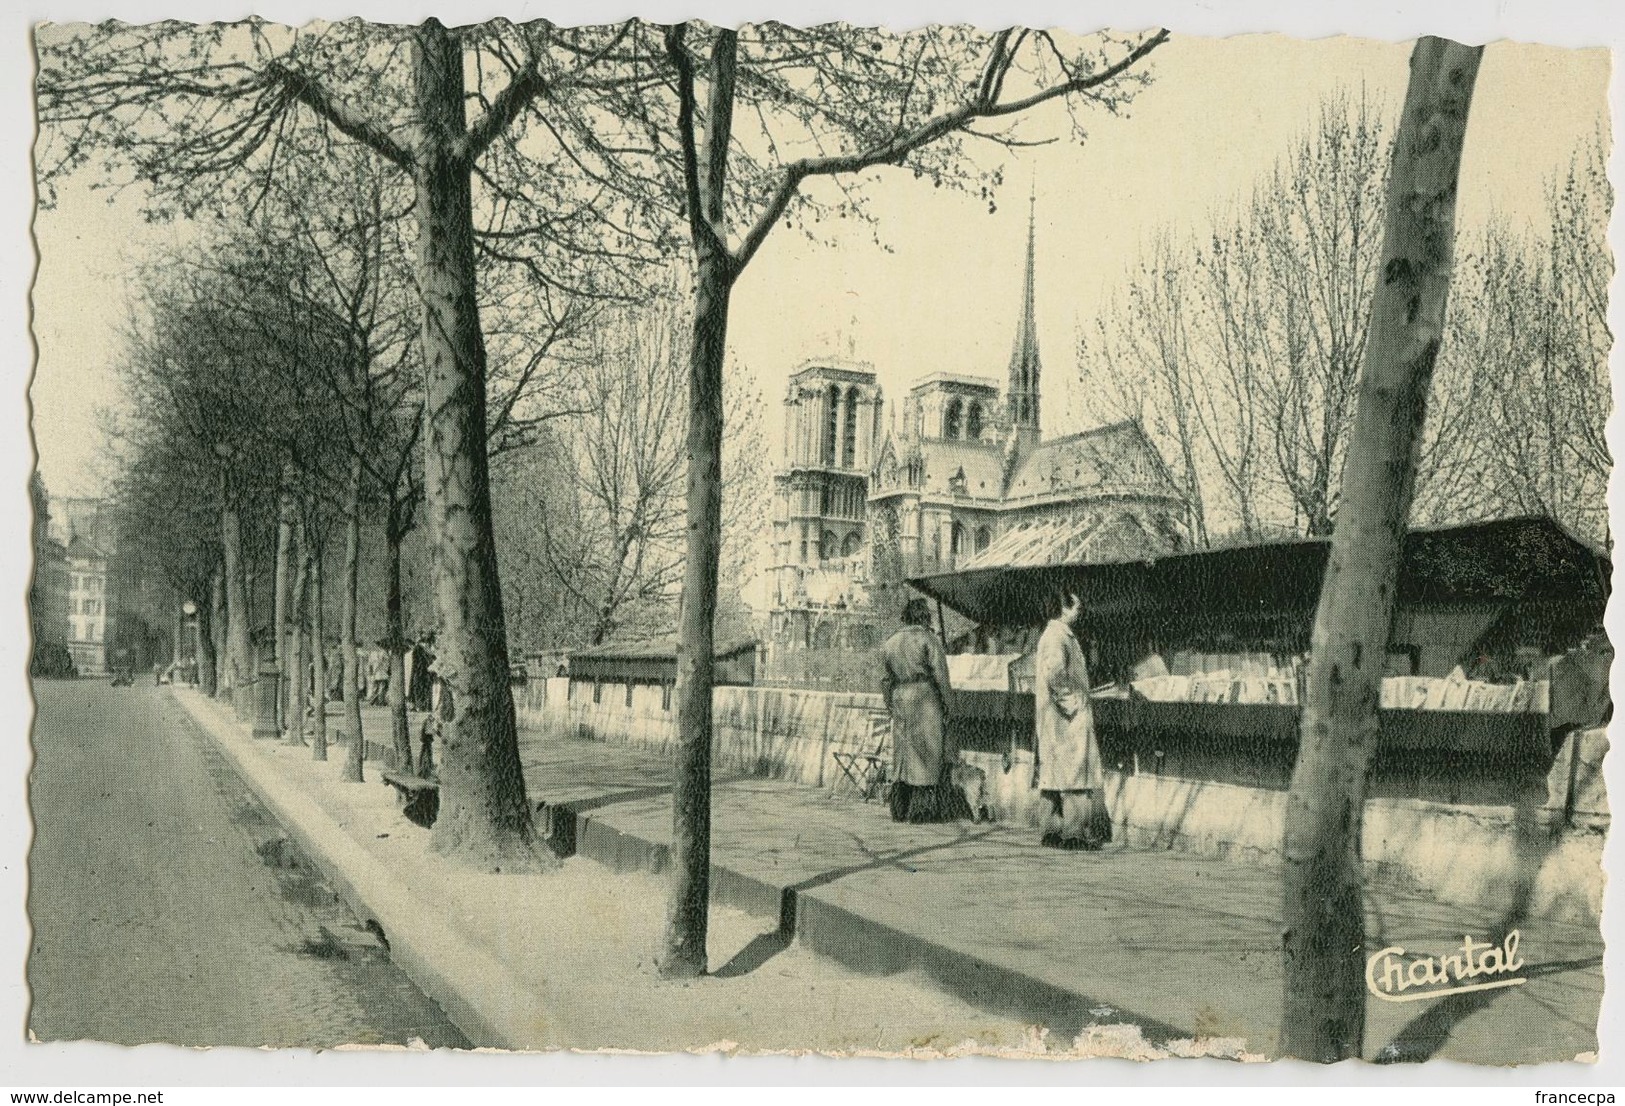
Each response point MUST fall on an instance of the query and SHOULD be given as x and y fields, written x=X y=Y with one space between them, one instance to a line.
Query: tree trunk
x=683 y=948
x=484 y=815
x=1323 y=1009
x=240 y=647
x=279 y=600
x=400 y=734
x=318 y=638
x=294 y=671
x=218 y=629
x=205 y=636
x=683 y=952
x=347 y=619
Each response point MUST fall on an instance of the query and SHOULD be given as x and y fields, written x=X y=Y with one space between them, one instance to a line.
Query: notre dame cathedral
x=965 y=480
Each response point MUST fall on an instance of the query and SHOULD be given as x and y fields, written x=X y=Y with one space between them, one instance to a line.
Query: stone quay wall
x=1542 y=856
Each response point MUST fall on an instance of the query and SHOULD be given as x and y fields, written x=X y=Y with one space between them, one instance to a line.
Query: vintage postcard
x=769 y=538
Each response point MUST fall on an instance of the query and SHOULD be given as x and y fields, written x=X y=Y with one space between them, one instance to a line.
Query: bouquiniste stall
x=1496 y=651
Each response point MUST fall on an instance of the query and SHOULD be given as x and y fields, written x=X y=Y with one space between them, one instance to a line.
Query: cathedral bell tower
x=821 y=491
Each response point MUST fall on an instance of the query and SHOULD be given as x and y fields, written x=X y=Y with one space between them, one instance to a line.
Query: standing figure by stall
x=1067 y=769
x=914 y=683
x=418 y=675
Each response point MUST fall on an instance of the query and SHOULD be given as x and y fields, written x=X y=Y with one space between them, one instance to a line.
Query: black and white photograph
x=922 y=541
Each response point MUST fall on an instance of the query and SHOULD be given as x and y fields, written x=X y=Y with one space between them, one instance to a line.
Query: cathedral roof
x=1108 y=456
x=1091 y=534
x=1108 y=460
x=981 y=463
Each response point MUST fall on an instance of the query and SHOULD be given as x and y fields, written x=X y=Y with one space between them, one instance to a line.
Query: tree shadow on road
x=1536 y=834
x=1424 y=1035
x=768 y=945
x=762 y=948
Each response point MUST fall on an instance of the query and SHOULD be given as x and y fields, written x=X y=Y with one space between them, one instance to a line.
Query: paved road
x=167 y=905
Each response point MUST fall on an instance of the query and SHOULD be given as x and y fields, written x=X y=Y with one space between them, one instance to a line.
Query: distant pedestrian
x=1067 y=768
x=914 y=684
x=434 y=678
x=335 y=672
x=377 y=674
x=419 y=684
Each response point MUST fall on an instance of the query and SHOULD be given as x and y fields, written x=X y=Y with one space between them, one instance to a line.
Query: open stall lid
x=1517 y=558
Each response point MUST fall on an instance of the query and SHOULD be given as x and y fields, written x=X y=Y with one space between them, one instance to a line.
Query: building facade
x=966 y=473
x=48 y=591
x=84 y=527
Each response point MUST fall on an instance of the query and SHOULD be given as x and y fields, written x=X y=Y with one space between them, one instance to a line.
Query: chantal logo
x=1478 y=966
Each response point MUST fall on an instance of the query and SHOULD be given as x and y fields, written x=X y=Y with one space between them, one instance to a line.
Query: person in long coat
x=1067 y=768
x=914 y=684
x=418 y=682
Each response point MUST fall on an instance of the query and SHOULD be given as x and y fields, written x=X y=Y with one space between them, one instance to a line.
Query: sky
x=942 y=289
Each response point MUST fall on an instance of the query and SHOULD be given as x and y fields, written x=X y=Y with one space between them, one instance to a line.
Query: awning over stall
x=656 y=662
x=1511 y=559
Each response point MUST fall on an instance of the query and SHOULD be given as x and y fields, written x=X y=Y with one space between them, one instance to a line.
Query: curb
x=859 y=943
x=494 y=1009
x=485 y=1001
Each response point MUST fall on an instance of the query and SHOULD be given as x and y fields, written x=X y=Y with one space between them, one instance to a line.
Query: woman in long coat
x=419 y=681
x=1067 y=771
x=914 y=683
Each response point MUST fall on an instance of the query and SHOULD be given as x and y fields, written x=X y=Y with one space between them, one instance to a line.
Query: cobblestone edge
x=485 y=1001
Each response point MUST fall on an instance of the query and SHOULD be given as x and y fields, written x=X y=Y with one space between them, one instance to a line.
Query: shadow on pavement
x=1535 y=836
x=1424 y=1035
x=762 y=949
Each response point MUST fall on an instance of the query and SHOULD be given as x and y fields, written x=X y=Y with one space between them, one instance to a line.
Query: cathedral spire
x=1023 y=393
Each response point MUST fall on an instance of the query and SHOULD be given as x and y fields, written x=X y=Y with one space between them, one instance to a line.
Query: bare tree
x=1580 y=270
x=1237 y=349
x=344 y=264
x=878 y=99
x=1242 y=346
x=1318 y=235
x=284 y=572
x=1137 y=360
x=314 y=524
x=210 y=413
x=168 y=534
x=1527 y=375
x=1323 y=940
x=597 y=509
x=208 y=114
x=296 y=668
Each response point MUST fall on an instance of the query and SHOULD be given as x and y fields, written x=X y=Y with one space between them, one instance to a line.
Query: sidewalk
x=975 y=926
x=563 y=958
x=1180 y=945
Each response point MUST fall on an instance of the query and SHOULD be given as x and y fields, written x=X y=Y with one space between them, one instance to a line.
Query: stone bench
x=420 y=797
